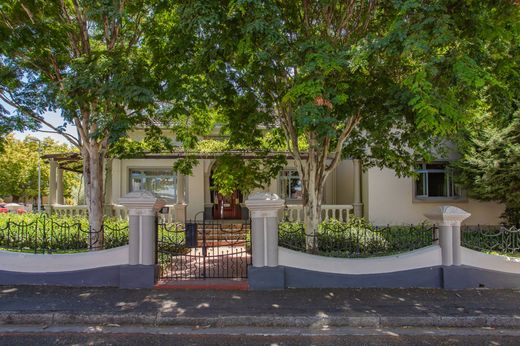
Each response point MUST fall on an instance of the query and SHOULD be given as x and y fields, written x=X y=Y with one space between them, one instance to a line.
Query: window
x=436 y=181
x=290 y=185
x=160 y=181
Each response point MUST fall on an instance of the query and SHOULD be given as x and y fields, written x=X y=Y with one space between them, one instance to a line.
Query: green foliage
x=490 y=165
x=232 y=172
x=39 y=233
x=356 y=238
x=19 y=169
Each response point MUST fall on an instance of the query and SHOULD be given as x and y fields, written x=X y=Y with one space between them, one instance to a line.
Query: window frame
x=281 y=190
x=461 y=197
x=174 y=175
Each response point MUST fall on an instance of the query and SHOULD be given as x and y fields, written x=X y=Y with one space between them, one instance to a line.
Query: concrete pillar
x=449 y=219
x=265 y=272
x=59 y=187
x=52 y=181
x=180 y=205
x=142 y=210
x=358 y=205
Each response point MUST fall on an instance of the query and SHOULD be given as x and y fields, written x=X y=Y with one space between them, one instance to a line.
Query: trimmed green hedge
x=356 y=238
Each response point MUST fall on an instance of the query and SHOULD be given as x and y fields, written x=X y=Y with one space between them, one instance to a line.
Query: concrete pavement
x=320 y=308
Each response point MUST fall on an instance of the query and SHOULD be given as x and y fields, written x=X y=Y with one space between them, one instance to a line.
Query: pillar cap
x=447 y=215
x=264 y=202
x=142 y=200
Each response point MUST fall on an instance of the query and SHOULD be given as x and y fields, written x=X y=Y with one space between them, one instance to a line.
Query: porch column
x=59 y=188
x=142 y=232
x=52 y=182
x=358 y=205
x=449 y=220
x=265 y=272
x=107 y=199
x=180 y=205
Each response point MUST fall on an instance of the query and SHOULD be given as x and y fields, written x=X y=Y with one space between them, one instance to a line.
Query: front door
x=227 y=207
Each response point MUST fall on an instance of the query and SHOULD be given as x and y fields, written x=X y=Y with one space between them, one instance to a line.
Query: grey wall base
x=97 y=277
x=424 y=277
x=138 y=276
x=127 y=276
x=458 y=277
x=449 y=277
x=266 y=278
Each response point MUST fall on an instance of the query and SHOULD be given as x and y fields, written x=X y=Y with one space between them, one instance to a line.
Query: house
x=377 y=194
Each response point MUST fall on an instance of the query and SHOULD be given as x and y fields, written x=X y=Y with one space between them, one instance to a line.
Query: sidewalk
x=372 y=308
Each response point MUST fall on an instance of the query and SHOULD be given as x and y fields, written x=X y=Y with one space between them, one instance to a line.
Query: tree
x=85 y=59
x=490 y=166
x=382 y=82
x=19 y=169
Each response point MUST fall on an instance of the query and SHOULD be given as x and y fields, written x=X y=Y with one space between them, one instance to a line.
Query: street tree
x=19 y=169
x=85 y=60
x=383 y=82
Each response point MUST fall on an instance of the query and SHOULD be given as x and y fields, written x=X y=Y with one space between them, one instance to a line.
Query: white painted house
x=376 y=194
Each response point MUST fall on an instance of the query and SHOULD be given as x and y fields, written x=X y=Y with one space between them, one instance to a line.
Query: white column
x=142 y=210
x=52 y=182
x=358 y=205
x=180 y=205
x=264 y=208
x=59 y=188
x=449 y=220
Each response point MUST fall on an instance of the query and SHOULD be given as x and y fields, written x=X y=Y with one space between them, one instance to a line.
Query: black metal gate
x=207 y=249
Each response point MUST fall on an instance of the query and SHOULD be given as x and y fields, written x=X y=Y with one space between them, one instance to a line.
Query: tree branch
x=351 y=123
x=74 y=141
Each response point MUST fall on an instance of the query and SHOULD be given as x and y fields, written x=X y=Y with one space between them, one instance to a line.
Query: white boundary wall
x=47 y=263
x=481 y=260
x=422 y=258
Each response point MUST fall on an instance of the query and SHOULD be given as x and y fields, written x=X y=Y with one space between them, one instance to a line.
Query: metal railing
x=336 y=239
x=499 y=239
x=341 y=212
x=116 y=211
x=44 y=234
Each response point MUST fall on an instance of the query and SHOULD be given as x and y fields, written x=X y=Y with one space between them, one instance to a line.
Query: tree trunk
x=93 y=176
x=313 y=192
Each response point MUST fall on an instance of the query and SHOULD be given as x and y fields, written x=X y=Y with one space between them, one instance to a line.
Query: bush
x=40 y=233
x=356 y=238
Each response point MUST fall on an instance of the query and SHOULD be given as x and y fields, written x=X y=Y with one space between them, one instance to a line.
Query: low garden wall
x=95 y=268
x=444 y=263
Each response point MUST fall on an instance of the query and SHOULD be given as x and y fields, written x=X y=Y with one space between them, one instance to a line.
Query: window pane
x=290 y=185
x=437 y=185
x=419 y=185
x=162 y=182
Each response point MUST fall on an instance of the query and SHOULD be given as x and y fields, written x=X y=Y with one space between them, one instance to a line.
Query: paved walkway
x=286 y=308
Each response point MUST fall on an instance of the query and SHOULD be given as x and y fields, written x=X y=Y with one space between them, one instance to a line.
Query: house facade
x=377 y=194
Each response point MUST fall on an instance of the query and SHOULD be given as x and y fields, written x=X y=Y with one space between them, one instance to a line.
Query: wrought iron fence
x=499 y=240
x=336 y=239
x=45 y=234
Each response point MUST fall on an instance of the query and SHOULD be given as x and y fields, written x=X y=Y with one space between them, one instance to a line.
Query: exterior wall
x=389 y=200
x=344 y=183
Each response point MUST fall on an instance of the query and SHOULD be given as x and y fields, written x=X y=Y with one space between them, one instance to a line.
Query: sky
x=53 y=118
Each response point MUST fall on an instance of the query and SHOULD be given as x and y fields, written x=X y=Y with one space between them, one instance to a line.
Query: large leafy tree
x=489 y=167
x=383 y=82
x=19 y=169
x=85 y=59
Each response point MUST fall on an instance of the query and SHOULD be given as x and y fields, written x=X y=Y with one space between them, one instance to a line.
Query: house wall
x=389 y=199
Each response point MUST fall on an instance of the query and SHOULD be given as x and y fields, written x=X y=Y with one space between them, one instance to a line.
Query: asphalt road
x=345 y=336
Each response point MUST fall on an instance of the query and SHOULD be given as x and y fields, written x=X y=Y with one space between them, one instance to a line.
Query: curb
x=65 y=318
